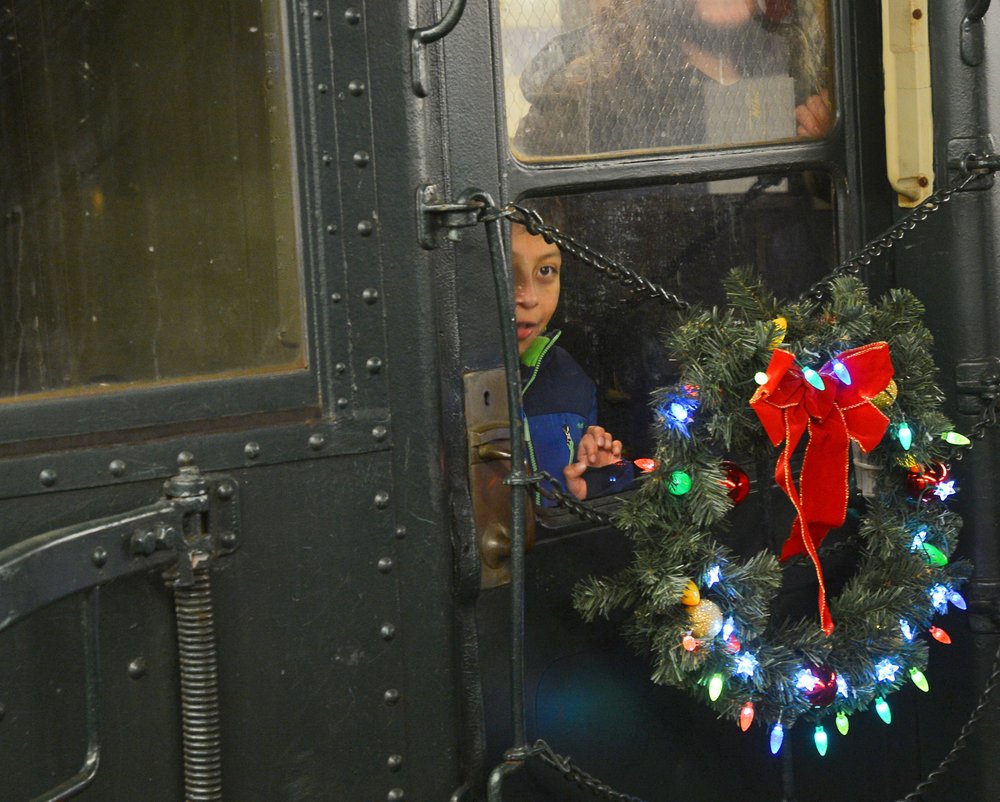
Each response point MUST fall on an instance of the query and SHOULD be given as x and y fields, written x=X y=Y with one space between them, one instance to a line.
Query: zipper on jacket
x=569 y=443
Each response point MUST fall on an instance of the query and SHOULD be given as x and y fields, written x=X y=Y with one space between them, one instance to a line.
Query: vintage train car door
x=683 y=139
x=199 y=311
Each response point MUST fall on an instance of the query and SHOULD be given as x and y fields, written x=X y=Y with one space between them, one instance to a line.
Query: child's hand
x=597 y=448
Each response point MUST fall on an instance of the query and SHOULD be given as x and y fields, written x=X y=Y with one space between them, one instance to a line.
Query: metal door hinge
x=972 y=154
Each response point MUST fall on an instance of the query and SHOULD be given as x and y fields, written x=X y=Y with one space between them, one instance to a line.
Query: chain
x=570 y=772
x=884 y=241
x=625 y=276
x=555 y=492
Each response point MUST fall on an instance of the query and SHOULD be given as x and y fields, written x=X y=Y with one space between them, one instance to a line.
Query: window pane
x=597 y=78
x=686 y=238
x=148 y=230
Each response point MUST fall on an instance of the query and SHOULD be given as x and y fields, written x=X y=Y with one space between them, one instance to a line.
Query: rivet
x=316 y=441
x=116 y=467
x=317 y=15
x=331 y=228
x=322 y=88
x=395 y=795
x=356 y=88
x=922 y=181
x=373 y=364
x=361 y=158
x=379 y=432
x=228 y=540
x=225 y=491
x=388 y=631
x=353 y=16
x=327 y=159
x=385 y=565
x=336 y=297
x=381 y=500
x=400 y=532
x=185 y=458
x=917 y=13
x=391 y=696
x=48 y=477
x=251 y=450
x=341 y=368
x=369 y=295
x=395 y=762
x=365 y=228
x=99 y=557
x=343 y=403
x=137 y=668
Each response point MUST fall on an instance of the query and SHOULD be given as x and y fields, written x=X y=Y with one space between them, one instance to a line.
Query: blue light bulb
x=957 y=599
x=777 y=736
x=841 y=372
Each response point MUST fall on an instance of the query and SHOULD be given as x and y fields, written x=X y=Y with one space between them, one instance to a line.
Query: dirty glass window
x=597 y=78
x=146 y=191
x=686 y=238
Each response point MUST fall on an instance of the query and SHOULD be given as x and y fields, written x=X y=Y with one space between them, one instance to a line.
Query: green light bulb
x=820 y=739
x=955 y=439
x=934 y=555
x=905 y=435
x=715 y=687
x=813 y=378
x=919 y=679
x=843 y=723
x=679 y=483
x=882 y=708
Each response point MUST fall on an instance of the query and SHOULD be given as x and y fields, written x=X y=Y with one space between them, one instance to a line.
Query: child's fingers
x=616 y=448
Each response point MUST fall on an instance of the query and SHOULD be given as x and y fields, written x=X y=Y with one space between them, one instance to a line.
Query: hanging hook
x=972 y=41
x=425 y=36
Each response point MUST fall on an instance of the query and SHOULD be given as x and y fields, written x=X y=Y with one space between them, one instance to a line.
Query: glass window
x=147 y=194
x=597 y=78
x=686 y=238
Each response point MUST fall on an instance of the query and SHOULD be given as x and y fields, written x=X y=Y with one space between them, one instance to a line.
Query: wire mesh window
x=598 y=78
x=147 y=194
x=685 y=238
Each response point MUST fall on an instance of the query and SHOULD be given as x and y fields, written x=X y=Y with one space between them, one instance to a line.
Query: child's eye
x=547 y=271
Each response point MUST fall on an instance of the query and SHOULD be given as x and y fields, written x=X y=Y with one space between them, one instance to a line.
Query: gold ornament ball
x=706 y=619
x=887 y=397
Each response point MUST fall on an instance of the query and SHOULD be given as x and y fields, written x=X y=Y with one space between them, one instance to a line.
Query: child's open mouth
x=524 y=330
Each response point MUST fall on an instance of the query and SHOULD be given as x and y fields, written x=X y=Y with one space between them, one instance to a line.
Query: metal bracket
x=435 y=215
x=972 y=41
x=969 y=154
x=977 y=383
x=170 y=535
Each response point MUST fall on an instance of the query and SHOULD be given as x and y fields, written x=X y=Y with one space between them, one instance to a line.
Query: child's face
x=536 y=284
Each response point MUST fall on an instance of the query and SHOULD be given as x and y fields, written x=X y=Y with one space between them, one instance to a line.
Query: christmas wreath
x=793 y=388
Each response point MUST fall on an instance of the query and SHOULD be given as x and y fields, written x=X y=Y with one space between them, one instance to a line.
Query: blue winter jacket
x=559 y=402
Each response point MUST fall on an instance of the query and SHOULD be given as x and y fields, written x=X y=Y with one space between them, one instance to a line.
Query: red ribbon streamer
x=788 y=407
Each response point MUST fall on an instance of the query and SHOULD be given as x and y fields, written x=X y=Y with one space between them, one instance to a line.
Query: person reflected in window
x=559 y=400
x=667 y=73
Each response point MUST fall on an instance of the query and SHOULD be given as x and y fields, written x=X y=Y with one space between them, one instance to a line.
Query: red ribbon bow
x=788 y=407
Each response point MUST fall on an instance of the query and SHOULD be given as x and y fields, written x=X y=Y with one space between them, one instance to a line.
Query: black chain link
x=572 y=773
x=625 y=276
x=963 y=737
x=555 y=492
x=885 y=241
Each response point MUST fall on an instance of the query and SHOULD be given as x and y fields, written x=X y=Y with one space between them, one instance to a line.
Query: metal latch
x=489 y=464
x=978 y=385
x=169 y=535
x=435 y=215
